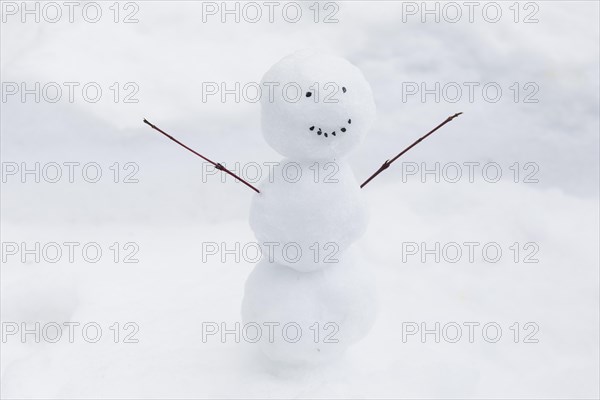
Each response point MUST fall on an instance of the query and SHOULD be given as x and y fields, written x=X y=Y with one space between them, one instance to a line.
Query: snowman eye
x=343 y=89
x=308 y=94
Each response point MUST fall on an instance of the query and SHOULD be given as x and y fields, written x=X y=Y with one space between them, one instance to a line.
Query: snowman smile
x=326 y=134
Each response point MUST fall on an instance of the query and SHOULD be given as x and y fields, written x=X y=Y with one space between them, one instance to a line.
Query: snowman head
x=315 y=106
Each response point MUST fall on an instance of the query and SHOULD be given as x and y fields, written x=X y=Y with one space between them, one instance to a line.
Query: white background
x=173 y=209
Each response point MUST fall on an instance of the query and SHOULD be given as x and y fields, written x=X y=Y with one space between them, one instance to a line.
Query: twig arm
x=218 y=166
x=387 y=163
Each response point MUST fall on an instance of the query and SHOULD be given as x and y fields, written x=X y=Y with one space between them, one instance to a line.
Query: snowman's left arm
x=387 y=163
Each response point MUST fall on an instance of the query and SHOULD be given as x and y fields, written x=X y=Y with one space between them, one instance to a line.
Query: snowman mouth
x=322 y=133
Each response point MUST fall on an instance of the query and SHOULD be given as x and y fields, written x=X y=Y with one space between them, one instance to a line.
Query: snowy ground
x=170 y=212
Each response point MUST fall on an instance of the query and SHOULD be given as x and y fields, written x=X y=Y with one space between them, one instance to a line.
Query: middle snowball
x=307 y=213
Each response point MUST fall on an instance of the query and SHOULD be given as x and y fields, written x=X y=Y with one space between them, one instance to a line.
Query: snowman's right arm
x=218 y=166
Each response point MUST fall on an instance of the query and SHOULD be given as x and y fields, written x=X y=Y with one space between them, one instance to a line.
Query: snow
x=175 y=208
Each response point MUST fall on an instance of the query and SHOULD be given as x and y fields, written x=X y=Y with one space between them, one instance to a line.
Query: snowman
x=308 y=287
x=309 y=297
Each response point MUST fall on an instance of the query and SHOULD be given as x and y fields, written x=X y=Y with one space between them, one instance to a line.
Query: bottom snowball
x=309 y=317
